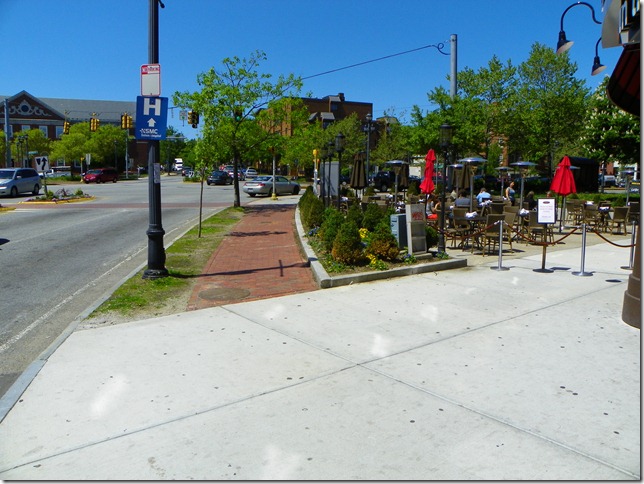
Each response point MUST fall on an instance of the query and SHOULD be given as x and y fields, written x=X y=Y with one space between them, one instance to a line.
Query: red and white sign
x=151 y=80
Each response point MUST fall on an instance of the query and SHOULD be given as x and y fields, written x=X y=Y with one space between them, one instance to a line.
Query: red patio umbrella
x=427 y=185
x=563 y=183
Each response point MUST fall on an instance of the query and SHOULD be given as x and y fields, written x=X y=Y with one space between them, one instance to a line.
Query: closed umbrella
x=470 y=165
x=427 y=185
x=563 y=183
x=358 y=179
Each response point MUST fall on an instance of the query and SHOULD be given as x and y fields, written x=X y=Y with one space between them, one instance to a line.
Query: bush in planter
x=330 y=227
x=347 y=246
x=382 y=244
x=312 y=213
x=431 y=235
x=373 y=215
x=355 y=214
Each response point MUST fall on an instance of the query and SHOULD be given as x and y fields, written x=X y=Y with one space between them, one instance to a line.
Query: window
x=25 y=127
x=59 y=131
x=44 y=130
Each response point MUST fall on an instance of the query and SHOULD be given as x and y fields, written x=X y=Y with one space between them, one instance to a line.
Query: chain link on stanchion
x=581 y=272
x=500 y=267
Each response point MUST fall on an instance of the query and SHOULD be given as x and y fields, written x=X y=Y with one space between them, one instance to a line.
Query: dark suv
x=101 y=175
x=384 y=180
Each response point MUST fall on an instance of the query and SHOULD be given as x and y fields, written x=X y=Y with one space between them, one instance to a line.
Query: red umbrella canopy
x=563 y=182
x=427 y=185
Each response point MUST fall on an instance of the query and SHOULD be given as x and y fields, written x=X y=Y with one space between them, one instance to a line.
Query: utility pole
x=156 y=252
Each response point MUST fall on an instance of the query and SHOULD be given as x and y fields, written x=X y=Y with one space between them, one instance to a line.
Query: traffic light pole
x=156 y=252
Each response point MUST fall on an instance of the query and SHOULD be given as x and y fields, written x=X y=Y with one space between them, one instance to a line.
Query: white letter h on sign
x=155 y=106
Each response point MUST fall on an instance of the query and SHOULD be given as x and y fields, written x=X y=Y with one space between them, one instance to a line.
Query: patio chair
x=492 y=230
x=535 y=228
x=620 y=217
x=592 y=217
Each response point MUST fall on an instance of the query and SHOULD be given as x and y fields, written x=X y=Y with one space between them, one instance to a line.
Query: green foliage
x=431 y=235
x=382 y=244
x=333 y=220
x=373 y=215
x=347 y=246
x=354 y=214
x=312 y=210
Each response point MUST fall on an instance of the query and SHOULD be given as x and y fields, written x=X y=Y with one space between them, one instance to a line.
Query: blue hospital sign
x=151 y=117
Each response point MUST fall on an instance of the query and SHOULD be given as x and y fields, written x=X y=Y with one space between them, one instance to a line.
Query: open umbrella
x=563 y=183
x=358 y=179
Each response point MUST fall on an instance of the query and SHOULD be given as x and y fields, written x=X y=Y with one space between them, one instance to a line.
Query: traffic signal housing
x=126 y=121
x=66 y=127
x=93 y=124
x=193 y=118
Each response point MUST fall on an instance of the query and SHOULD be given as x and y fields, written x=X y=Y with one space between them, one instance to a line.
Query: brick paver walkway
x=260 y=259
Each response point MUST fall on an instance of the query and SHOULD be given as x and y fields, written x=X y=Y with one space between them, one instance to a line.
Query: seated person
x=529 y=199
x=483 y=196
x=462 y=200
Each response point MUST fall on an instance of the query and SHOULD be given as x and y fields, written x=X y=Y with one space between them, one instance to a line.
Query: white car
x=250 y=172
x=263 y=185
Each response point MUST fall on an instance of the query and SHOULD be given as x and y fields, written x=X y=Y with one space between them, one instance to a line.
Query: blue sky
x=91 y=49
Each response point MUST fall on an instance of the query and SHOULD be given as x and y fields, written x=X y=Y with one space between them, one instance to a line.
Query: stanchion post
x=631 y=258
x=499 y=266
x=583 y=254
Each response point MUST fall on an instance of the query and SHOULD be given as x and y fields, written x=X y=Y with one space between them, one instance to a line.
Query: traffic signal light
x=129 y=121
x=93 y=124
x=238 y=115
x=193 y=118
x=66 y=127
x=123 y=121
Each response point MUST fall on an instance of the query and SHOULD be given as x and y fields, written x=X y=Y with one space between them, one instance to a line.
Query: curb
x=324 y=281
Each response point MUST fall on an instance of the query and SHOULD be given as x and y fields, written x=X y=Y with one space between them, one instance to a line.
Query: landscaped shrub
x=431 y=235
x=354 y=214
x=347 y=247
x=373 y=215
x=333 y=220
x=382 y=243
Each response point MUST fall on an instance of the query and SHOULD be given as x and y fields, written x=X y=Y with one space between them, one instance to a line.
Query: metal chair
x=620 y=217
x=492 y=230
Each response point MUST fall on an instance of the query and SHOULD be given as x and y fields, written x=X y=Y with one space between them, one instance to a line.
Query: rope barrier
x=610 y=242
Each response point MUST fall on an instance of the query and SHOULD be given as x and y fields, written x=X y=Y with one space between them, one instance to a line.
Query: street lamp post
x=327 y=174
x=156 y=252
x=369 y=119
x=273 y=191
x=445 y=141
x=339 y=148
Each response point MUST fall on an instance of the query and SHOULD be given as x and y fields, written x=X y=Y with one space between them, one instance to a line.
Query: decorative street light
x=563 y=44
x=330 y=148
x=368 y=129
x=339 y=148
x=446 y=133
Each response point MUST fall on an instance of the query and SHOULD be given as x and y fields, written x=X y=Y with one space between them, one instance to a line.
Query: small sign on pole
x=151 y=80
x=546 y=211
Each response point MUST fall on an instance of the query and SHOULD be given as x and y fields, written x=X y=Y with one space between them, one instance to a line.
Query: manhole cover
x=224 y=293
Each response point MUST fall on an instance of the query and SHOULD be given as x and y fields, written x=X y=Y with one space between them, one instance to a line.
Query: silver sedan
x=263 y=185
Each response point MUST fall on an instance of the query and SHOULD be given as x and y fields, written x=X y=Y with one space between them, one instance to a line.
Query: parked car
x=101 y=175
x=219 y=177
x=19 y=180
x=263 y=185
x=609 y=180
x=250 y=172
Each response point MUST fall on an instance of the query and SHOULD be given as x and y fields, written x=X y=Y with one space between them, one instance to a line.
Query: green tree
x=236 y=102
x=610 y=134
x=35 y=141
x=549 y=106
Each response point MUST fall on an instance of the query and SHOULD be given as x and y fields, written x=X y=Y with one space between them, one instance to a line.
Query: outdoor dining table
x=476 y=223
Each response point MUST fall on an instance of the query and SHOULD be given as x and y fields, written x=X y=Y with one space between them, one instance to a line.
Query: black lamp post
x=339 y=148
x=156 y=252
x=369 y=119
x=330 y=147
x=446 y=132
x=563 y=44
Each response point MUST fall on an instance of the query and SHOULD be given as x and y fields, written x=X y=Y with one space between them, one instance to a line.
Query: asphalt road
x=58 y=261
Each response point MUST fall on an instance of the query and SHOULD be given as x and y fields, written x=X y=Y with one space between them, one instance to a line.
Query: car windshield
x=4 y=174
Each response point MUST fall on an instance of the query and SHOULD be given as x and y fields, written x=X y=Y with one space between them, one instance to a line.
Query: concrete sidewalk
x=470 y=373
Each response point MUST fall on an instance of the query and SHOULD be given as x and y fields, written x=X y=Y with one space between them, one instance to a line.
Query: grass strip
x=185 y=259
